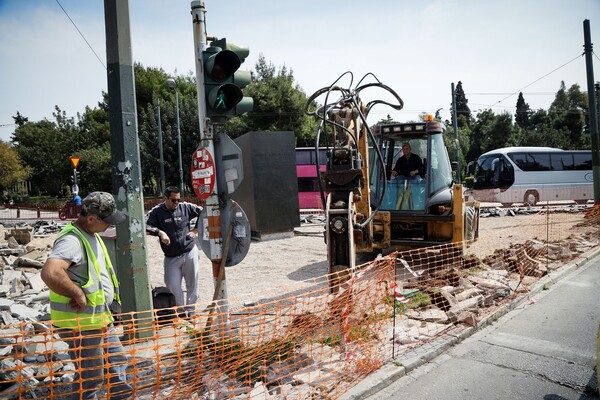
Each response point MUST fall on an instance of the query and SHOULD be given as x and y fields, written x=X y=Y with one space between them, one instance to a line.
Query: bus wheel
x=531 y=198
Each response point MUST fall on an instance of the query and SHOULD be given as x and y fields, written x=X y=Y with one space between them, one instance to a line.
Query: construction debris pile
x=308 y=344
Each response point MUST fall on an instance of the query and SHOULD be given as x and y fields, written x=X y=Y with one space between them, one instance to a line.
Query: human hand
x=78 y=302
x=193 y=233
x=394 y=174
x=164 y=238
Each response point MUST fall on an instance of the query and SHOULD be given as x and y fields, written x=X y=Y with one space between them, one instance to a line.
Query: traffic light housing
x=223 y=83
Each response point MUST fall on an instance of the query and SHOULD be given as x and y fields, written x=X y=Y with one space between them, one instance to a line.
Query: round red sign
x=203 y=173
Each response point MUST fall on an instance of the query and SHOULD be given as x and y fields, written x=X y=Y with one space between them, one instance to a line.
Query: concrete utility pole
x=593 y=118
x=131 y=248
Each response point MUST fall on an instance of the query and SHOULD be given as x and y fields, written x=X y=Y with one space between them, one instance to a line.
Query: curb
x=399 y=367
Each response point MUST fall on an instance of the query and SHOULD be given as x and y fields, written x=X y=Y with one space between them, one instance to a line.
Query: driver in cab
x=408 y=165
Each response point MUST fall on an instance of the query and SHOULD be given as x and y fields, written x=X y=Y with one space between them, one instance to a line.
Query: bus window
x=583 y=161
x=531 y=161
x=561 y=162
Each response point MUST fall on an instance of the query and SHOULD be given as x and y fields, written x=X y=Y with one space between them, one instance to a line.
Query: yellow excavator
x=371 y=205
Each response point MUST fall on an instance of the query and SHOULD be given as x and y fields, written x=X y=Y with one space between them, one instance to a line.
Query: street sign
x=231 y=164
x=203 y=173
x=240 y=239
x=74 y=161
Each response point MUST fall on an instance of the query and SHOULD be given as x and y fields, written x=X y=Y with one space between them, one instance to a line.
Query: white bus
x=533 y=174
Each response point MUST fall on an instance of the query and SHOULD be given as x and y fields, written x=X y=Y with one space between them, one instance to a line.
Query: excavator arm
x=343 y=127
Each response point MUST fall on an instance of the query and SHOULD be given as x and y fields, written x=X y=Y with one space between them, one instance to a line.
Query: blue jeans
x=87 y=349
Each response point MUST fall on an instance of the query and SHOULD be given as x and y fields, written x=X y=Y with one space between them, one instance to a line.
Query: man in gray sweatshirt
x=170 y=221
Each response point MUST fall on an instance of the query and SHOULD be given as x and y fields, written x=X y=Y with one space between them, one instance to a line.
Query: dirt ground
x=286 y=264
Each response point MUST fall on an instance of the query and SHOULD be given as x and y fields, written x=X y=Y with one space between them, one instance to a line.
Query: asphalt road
x=544 y=349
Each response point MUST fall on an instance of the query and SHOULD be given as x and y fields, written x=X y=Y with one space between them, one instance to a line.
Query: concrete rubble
x=458 y=297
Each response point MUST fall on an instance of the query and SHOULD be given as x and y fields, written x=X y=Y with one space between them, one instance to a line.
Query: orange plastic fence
x=312 y=343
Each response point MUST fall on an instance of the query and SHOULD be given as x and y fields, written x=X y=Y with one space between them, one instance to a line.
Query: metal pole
x=588 y=50
x=207 y=139
x=160 y=150
x=455 y=127
x=179 y=147
x=131 y=256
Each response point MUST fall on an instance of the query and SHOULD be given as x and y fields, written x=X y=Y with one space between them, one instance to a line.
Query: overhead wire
x=80 y=33
x=537 y=80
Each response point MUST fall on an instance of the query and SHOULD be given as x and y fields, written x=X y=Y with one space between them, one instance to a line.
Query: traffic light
x=223 y=83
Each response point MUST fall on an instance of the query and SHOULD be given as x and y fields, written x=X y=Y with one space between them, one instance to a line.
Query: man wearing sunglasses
x=170 y=221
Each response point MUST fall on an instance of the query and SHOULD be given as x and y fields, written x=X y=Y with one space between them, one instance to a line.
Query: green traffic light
x=223 y=82
x=221 y=100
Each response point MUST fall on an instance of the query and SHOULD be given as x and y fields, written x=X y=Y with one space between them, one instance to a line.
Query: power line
x=537 y=80
x=89 y=45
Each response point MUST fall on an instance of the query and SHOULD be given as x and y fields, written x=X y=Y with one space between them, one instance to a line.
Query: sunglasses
x=175 y=200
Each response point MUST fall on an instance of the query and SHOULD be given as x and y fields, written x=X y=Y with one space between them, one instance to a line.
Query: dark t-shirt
x=404 y=166
x=176 y=224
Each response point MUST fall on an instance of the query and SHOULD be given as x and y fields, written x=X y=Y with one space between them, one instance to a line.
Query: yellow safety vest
x=96 y=314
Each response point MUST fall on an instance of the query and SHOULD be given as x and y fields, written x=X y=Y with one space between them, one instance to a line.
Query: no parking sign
x=203 y=173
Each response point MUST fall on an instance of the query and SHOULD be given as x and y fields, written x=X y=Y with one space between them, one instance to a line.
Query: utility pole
x=207 y=140
x=455 y=127
x=588 y=50
x=131 y=248
x=160 y=149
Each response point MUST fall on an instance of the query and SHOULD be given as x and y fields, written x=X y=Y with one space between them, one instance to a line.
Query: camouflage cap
x=103 y=205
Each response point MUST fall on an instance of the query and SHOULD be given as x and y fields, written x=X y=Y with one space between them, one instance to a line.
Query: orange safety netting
x=312 y=343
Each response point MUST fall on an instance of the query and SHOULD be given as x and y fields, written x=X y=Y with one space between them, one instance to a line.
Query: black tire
x=470 y=223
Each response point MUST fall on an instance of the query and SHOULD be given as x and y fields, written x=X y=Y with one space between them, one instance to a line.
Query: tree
x=19 y=119
x=278 y=106
x=12 y=170
x=463 y=111
x=492 y=131
x=567 y=112
x=153 y=88
x=522 y=112
x=45 y=148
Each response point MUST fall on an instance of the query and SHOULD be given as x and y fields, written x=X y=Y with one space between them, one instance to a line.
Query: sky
x=418 y=48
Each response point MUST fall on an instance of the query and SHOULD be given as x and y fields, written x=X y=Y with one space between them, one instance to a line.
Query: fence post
x=38 y=212
x=18 y=213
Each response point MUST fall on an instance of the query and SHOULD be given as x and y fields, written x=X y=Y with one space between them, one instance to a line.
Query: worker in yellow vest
x=83 y=289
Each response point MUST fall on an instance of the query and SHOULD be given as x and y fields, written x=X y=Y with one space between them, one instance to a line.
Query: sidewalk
x=543 y=348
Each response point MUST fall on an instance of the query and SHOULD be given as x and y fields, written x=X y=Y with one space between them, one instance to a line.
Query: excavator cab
x=418 y=209
x=405 y=192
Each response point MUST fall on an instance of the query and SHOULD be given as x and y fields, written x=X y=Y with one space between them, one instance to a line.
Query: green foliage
x=11 y=168
x=151 y=83
x=462 y=109
x=95 y=170
x=43 y=147
x=416 y=300
x=278 y=106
